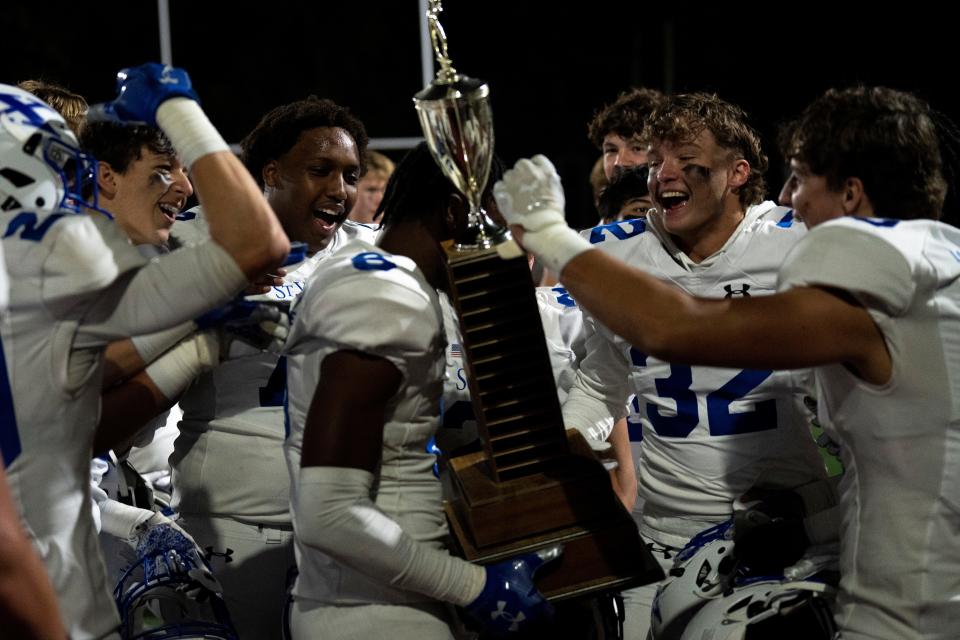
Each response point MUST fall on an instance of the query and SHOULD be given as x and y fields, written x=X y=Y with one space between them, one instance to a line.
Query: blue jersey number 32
x=721 y=421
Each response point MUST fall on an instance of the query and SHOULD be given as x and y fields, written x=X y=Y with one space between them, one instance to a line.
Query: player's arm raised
x=239 y=218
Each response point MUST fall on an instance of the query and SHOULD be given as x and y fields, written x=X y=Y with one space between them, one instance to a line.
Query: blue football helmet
x=41 y=165
x=170 y=592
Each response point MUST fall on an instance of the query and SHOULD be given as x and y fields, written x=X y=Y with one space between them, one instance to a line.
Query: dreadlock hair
x=118 y=144
x=418 y=187
x=891 y=140
x=278 y=131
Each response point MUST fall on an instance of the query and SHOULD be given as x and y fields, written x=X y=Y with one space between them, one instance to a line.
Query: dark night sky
x=548 y=67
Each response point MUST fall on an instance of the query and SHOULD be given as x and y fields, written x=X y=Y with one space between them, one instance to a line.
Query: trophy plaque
x=534 y=484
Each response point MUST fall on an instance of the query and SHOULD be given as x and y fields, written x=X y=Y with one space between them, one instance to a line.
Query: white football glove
x=530 y=196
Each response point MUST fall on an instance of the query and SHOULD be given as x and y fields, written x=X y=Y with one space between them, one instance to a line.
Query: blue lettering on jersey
x=563 y=297
x=28 y=221
x=721 y=421
x=372 y=261
x=877 y=222
x=9 y=436
x=618 y=230
x=461 y=380
x=724 y=423
x=288 y=290
x=186 y=215
x=787 y=220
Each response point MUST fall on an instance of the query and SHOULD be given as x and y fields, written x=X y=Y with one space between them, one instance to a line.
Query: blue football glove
x=510 y=603
x=237 y=310
x=434 y=448
x=141 y=91
x=166 y=549
x=298 y=253
x=261 y=326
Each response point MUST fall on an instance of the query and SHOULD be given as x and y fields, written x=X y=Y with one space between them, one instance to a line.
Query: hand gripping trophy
x=533 y=485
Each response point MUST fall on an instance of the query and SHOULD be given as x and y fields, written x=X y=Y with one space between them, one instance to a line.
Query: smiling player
x=708 y=434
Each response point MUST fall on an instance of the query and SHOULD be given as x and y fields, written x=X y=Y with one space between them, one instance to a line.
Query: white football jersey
x=4 y=284
x=562 y=328
x=458 y=424
x=900 y=547
x=360 y=231
x=377 y=303
x=228 y=459
x=563 y=331
x=709 y=434
x=76 y=283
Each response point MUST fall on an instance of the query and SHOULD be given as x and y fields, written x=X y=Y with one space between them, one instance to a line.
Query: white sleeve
x=85 y=255
x=855 y=259
x=109 y=515
x=333 y=512
x=405 y=321
x=152 y=345
x=98 y=468
x=598 y=397
x=4 y=284
x=121 y=520
x=165 y=292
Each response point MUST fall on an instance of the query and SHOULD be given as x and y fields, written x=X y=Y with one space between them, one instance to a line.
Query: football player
x=366 y=365
x=869 y=297
x=230 y=483
x=708 y=434
x=77 y=283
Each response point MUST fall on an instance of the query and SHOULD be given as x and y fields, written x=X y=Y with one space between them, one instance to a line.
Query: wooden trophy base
x=572 y=504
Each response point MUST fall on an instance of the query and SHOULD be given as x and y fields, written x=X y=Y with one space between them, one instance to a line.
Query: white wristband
x=189 y=129
x=175 y=370
x=555 y=245
x=121 y=520
x=151 y=345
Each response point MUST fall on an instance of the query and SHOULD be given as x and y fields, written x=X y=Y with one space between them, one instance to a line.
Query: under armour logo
x=742 y=291
x=166 y=78
x=501 y=612
x=211 y=554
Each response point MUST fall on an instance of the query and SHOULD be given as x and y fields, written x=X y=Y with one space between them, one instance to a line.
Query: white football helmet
x=702 y=570
x=767 y=609
x=41 y=165
x=170 y=592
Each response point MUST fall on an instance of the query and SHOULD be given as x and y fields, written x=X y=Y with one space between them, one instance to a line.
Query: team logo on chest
x=742 y=292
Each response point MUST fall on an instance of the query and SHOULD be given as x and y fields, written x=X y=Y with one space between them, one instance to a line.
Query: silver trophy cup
x=455 y=116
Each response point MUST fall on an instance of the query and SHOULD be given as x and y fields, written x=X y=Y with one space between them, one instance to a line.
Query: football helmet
x=41 y=165
x=701 y=571
x=170 y=592
x=767 y=609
